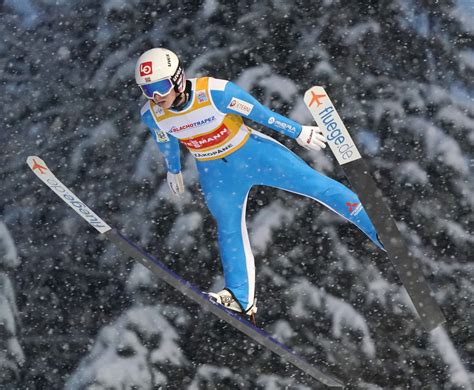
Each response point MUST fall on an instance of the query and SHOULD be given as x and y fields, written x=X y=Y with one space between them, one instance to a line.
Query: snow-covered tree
x=400 y=73
x=11 y=353
x=138 y=351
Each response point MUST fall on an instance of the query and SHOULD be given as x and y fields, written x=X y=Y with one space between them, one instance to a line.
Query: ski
x=261 y=337
x=357 y=172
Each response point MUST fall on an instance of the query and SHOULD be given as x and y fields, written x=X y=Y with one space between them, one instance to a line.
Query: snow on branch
x=307 y=297
x=136 y=351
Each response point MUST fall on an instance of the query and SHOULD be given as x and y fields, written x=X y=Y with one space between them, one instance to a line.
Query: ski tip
x=36 y=164
x=315 y=96
x=315 y=89
x=30 y=160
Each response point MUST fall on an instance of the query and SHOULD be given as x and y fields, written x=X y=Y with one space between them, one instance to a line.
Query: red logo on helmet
x=146 y=68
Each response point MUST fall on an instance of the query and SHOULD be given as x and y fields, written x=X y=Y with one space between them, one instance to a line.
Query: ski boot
x=227 y=299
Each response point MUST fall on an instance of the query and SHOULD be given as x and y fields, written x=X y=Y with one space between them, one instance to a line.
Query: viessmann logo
x=207 y=140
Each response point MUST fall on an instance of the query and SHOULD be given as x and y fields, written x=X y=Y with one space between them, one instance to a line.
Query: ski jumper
x=231 y=158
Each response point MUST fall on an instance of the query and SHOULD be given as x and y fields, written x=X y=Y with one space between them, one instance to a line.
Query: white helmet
x=159 y=71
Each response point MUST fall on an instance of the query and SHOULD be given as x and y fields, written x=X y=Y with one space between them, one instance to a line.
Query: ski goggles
x=161 y=87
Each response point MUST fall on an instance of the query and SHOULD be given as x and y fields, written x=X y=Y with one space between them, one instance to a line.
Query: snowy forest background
x=77 y=314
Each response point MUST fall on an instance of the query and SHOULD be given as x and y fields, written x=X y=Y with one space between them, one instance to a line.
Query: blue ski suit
x=231 y=158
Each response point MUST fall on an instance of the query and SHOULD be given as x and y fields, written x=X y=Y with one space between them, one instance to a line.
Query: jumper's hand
x=175 y=182
x=311 y=138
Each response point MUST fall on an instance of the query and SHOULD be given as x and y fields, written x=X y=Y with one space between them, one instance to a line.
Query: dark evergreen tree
x=401 y=76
